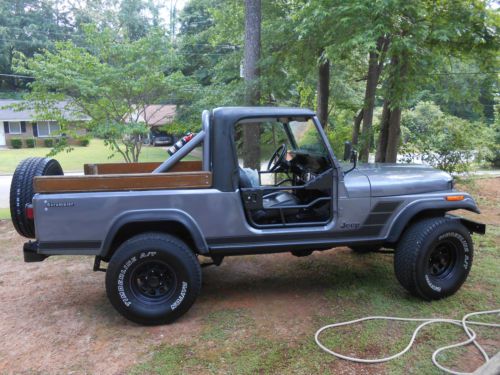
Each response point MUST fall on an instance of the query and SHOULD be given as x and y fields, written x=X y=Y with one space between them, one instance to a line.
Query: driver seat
x=277 y=199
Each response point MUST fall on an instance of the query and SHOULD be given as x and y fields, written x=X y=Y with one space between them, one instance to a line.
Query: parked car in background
x=159 y=137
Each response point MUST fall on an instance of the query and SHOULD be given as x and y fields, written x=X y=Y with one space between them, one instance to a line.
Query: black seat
x=277 y=199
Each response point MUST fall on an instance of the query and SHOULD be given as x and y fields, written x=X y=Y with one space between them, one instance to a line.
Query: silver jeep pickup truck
x=151 y=222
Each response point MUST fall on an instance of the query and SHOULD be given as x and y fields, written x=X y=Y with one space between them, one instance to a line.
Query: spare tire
x=21 y=190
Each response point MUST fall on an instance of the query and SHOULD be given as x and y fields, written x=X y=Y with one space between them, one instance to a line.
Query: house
x=156 y=115
x=24 y=125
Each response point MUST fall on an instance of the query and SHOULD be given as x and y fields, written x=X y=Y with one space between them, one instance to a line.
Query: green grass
x=4 y=213
x=73 y=161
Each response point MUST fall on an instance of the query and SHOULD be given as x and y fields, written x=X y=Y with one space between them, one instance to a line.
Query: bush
x=48 y=142
x=441 y=140
x=30 y=142
x=84 y=142
x=16 y=143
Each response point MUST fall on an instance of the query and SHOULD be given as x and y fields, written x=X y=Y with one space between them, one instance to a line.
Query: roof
x=158 y=114
x=237 y=113
x=29 y=114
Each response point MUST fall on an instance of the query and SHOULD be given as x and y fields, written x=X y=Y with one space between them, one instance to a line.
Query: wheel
x=434 y=257
x=153 y=278
x=21 y=190
x=365 y=249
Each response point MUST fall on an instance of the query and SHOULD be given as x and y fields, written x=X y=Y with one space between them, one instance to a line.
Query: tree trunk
x=393 y=136
x=323 y=90
x=390 y=132
x=374 y=70
x=251 y=133
x=384 y=129
x=357 y=126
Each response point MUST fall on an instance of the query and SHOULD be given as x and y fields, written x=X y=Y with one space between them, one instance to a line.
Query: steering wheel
x=278 y=159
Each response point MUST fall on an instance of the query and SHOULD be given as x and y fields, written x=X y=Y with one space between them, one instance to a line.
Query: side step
x=30 y=252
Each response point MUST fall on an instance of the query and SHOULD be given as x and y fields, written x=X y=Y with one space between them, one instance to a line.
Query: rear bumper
x=30 y=252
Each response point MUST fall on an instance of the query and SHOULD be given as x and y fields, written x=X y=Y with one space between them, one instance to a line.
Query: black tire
x=153 y=278
x=365 y=249
x=434 y=257
x=21 y=190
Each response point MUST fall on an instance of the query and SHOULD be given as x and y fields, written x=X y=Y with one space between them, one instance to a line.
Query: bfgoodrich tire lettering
x=153 y=278
x=434 y=257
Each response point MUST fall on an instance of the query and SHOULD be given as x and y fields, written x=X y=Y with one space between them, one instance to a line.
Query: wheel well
x=134 y=228
x=424 y=214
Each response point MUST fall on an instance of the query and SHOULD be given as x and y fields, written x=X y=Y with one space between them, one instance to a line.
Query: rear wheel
x=21 y=190
x=434 y=257
x=153 y=278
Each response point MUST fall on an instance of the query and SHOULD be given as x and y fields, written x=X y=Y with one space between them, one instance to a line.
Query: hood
x=404 y=179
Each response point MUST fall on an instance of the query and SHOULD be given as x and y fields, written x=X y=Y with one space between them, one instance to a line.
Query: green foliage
x=16 y=143
x=111 y=82
x=48 y=142
x=84 y=142
x=30 y=142
x=340 y=131
x=443 y=141
x=494 y=156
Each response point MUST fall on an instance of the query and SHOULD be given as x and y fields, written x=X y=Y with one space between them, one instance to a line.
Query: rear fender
x=156 y=216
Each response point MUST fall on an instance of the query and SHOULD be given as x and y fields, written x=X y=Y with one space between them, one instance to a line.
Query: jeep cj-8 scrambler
x=151 y=222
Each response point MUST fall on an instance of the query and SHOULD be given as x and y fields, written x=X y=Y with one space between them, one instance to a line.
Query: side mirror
x=347 y=150
x=354 y=157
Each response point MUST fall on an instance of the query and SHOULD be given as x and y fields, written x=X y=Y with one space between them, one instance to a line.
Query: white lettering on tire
x=178 y=301
x=121 y=278
x=431 y=285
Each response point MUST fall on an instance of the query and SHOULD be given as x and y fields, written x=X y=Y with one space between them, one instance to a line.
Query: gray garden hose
x=463 y=323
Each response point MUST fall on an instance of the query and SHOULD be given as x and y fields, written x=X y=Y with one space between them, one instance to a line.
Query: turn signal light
x=453 y=198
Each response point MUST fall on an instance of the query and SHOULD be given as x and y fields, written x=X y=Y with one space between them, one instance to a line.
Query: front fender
x=160 y=215
x=429 y=205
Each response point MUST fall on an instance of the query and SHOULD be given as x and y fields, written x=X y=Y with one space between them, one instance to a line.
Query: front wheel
x=153 y=278
x=434 y=257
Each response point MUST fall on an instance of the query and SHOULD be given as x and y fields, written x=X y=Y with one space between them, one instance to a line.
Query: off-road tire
x=434 y=257
x=364 y=249
x=21 y=190
x=174 y=278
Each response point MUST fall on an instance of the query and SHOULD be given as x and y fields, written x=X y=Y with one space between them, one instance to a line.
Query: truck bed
x=131 y=176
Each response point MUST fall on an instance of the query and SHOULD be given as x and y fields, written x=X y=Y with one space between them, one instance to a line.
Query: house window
x=14 y=127
x=48 y=128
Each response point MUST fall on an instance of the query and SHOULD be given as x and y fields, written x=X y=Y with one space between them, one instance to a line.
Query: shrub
x=441 y=140
x=30 y=142
x=84 y=142
x=48 y=142
x=16 y=143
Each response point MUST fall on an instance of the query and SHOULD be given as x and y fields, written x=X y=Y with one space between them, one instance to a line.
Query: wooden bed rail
x=127 y=168
x=122 y=182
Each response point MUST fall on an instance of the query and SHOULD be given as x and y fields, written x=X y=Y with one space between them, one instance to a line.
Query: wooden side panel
x=127 y=168
x=113 y=182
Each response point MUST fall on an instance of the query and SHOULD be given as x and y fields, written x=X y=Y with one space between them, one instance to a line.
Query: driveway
x=5 y=191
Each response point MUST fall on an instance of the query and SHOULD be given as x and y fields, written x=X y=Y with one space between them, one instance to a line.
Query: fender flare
x=438 y=205
x=160 y=215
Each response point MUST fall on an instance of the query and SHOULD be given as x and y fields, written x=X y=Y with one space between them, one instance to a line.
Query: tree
x=27 y=26
x=251 y=134
x=110 y=81
x=425 y=34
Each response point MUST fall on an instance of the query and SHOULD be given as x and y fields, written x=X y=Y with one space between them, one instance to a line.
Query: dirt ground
x=55 y=317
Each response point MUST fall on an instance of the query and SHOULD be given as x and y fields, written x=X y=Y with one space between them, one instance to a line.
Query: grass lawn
x=4 y=213
x=73 y=161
